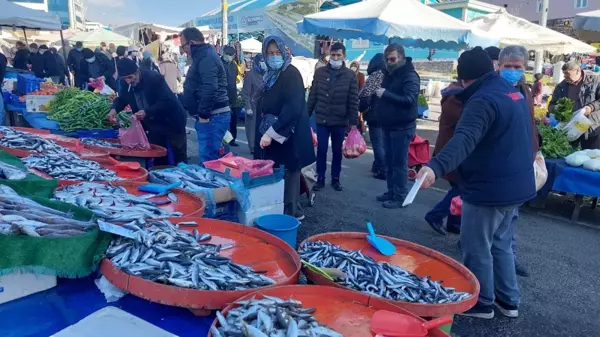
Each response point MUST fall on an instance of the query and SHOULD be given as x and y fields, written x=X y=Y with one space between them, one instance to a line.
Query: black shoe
x=480 y=311
x=437 y=226
x=385 y=197
x=233 y=143
x=319 y=185
x=335 y=183
x=454 y=229
x=506 y=309
x=521 y=270
x=380 y=175
x=392 y=204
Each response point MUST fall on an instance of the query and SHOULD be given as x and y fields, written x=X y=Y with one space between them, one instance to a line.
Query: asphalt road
x=561 y=297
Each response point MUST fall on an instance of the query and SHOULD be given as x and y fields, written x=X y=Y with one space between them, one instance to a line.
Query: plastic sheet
x=134 y=137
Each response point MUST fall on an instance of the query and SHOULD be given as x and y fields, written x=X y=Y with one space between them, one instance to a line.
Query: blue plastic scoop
x=158 y=189
x=382 y=245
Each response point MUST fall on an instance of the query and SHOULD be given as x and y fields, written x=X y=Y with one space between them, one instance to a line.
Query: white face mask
x=228 y=58
x=91 y=60
x=354 y=69
x=336 y=64
x=43 y=51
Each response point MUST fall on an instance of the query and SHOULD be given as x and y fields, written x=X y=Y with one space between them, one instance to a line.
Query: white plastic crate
x=247 y=218
x=265 y=195
x=17 y=285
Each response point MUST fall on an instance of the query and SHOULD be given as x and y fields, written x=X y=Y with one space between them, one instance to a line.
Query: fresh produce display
x=563 y=111
x=100 y=143
x=270 y=316
x=27 y=141
x=19 y=215
x=556 y=144
x=161 y=252
x=378 y=278
x=113 y=203
x=191 y=177
x=124 y=119
x=422 y=100
x=69 y=167
x=11 y=172
x=76 y=109
x=539 y=113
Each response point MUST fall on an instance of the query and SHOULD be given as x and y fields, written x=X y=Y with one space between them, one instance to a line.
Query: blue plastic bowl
x=282 y=226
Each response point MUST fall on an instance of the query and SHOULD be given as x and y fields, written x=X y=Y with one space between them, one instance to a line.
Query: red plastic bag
x=134 y=137
x=314 y=137
x=354 y=145
x=456 y=206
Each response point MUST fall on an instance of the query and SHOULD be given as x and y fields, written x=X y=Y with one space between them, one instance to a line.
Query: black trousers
x=178 y=144
x=235 y=111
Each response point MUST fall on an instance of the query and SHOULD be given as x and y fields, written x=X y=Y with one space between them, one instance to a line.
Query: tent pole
x=25 y=35
x=64 y=52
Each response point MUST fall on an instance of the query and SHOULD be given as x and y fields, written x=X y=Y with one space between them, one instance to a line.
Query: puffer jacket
x=205 y=86
x=334 y=97
x=367 y=98
x=397 y=108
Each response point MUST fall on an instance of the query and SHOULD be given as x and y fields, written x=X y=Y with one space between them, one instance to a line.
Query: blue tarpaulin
x=568 y=179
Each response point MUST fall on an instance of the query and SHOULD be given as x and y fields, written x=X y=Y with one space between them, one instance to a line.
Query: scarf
x=271 y=76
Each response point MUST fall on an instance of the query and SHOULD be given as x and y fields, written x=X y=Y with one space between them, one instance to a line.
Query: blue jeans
x=210 y=136
x=514 y=229
x=396 y=143
x=376 y=136
x=337 y=134
x=486 y=239
x=442 y=209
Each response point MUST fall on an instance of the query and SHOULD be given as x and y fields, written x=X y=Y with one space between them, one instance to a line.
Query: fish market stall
x=338 y=312
x=216 y=262
x=113 y=146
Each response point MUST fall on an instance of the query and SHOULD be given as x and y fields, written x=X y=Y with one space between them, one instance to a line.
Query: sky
x=165 y=12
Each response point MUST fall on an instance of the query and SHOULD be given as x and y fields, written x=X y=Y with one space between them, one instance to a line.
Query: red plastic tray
x=154 y=152
x=347 y=312
x=140 y=175
x=253 y=247
x=187 y=203
x=414 y=258
x=32 y=130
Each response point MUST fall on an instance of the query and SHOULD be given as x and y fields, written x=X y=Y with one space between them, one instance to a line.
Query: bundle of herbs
x=555 y=143
x=563 y=111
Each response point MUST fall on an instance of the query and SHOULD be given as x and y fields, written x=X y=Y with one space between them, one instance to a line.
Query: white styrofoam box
x=37 y=103
x=247 y=218
x=17 y=285
x=266 y=195
x=113 y=322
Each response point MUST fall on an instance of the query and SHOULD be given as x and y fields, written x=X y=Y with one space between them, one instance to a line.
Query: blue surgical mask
x=512 y=76
x=78 y=49
x=275 y=62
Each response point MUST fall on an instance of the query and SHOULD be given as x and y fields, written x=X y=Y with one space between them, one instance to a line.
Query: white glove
x=249 y=112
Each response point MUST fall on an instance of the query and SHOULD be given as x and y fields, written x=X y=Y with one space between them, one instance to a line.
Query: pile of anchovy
x=11 y=172
x=270 y=316
x=161 y=252
x=191 y=177
x=19 y=140
x=69 y=167
x=378 y=278
x=100 y=143
x=19 y=215
x=114 y=203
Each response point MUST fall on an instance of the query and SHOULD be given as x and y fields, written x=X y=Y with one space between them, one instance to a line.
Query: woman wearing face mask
x=147 y=62
x=284 y=130
x=250 y=92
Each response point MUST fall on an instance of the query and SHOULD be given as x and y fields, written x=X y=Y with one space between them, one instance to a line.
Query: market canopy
x=101 y=35
x=13 y=15
x=411 y=21
x=588 y=25
x=511 y=29
x=251 y=46
x=132 y=31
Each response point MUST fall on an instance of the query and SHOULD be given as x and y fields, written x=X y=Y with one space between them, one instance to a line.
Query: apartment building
x=71 y=12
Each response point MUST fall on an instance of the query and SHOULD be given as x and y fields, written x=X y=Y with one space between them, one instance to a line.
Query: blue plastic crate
x=27 y=83
x=226 y=211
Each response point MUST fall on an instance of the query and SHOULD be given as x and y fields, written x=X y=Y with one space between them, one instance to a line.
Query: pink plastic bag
x=238 y=165
x=354 y=145
x=456 y=206
x=314 y=138
x=134 y=137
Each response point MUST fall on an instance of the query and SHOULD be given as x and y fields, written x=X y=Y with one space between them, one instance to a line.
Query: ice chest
x=17 y=285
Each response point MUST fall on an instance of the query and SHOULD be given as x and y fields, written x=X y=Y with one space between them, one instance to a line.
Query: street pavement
x=560 y=298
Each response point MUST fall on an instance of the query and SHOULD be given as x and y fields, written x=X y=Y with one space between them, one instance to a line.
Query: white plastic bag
x=577 y=158
x=578 y=125
x=541 y=172
x=111 y=293
x=593 y=154
x=592 y=165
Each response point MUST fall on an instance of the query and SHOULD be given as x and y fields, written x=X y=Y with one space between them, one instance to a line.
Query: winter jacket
x=3 y=63
x=21 y=59
x=205 y=86
x=589 y=95
x=74 y=60
x=171 y=73
x=491 y=149
x=107 y=69
x=251 y=91
x=397 y=108
x=149 y=65
x=285 y=99
x=231 y=70
x=37 y=64
x=51 y=67
x=164 y=114
x=451 y=111
x=367 y=97
x=334 y=97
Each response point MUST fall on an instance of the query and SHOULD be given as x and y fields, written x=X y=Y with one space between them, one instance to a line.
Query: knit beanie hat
x=87 y=53
x=474 y=63
x=493 y=52
x=126 y=67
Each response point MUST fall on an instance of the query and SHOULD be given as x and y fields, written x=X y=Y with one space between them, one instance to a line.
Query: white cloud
x=105 y=3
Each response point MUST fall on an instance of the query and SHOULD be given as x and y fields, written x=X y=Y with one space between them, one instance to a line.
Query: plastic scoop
x=158 y=189
x=128 y=165
x=382 y=245
x=394 y=324
x=328 y=273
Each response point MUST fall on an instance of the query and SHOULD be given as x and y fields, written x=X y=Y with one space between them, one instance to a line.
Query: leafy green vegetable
x=563 y=111
x=423 y=100
x=555 y=143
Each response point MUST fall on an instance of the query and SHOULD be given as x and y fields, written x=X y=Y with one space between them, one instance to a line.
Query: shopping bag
x=101 y=88
x=354 y=145
x=314 y=137
x=577 y=126
x=456 y=206
x=541 y=172
x=134 y=137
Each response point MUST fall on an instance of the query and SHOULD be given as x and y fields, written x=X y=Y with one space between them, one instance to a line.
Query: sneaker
x=507 y=310
x=480 y=311
x=392 y=204
x=319 y=185
x=380 y=175
x=521 y=270
x=437 y=226
x=385 y=197
x=335 y=183
x=233 y=143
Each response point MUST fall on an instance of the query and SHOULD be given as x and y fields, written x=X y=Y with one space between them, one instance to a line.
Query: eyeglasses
x=391 y=59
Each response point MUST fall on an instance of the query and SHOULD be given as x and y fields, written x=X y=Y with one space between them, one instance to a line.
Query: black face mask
x=392 y=67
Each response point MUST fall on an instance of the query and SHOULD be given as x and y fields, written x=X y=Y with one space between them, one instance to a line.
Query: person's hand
x=102 y=78
x=379 y=92
x=91 y=79
x=202 y=120
x=265 y=141
x=112 y=116
x=140 y=115
x=587 y=110
x=249 y=112
x=429 y=179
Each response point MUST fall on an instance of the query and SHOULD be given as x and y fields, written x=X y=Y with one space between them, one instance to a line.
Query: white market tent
x=411 y=21
x=13 y=15
x=94 y=38
x=588 y=25
x=252 y=46
x=133 y=30
x=511 y=29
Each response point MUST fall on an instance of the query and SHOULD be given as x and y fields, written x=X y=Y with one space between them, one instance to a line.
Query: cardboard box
x=17 y=285
x=37 y=103
x=247 y=218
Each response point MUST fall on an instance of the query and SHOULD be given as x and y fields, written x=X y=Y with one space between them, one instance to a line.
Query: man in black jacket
x=3 y=63
x=21 y=56
x=231 y=70
x=334 y=100
x=74 y=62
x=397 y=113
x=205 y=93
x=51 y=69
x=156 y=106
x=62 y=67
x=96 y=65
x=36 y=60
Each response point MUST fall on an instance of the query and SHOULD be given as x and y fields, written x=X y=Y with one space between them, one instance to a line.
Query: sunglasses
x=391 y=59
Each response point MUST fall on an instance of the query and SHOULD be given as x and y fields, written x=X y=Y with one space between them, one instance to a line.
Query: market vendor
x=584 y=90
x=155 y=104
